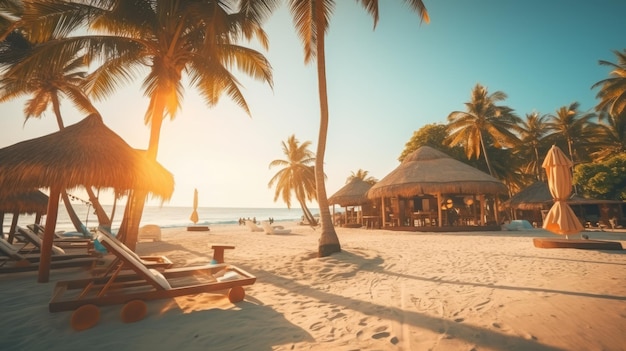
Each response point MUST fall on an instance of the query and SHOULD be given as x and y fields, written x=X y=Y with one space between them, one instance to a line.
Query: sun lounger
x=269 y=229
x=11 y=260
x=253 y=227
x=154 y=261
x=145 y=284
x=59 y=246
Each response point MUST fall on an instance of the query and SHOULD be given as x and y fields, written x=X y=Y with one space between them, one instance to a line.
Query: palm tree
x=47 y=85
x=297 y=175
x=363 y=175
x=532 y=131
x=311 y=19
x=170 y=38
x=612 y=92
x=612 y=138
x=574 y=129
x=484 y=122
x=9 y=16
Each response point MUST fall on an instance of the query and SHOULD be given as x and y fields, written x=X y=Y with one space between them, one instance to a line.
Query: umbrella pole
x=48 y=237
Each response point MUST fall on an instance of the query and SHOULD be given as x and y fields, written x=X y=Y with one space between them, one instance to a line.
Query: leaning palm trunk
x=76 y=222
x=137 y=199
x=129 y=228
x=328 y=242
x=482 y=143
x=307 y=213
x=103 y=219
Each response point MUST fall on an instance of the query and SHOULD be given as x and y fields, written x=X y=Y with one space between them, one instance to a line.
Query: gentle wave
x=166 y=216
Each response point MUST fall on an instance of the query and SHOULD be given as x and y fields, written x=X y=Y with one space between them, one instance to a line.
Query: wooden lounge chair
x=59 y=246
x=84 y=295
x=270 y=229
x=12 y=261
x=154 y=261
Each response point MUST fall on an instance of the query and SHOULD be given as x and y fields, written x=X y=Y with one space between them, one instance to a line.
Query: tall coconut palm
x=574 y=129
x=612 y=92
x=9 y=16
x=363 y=175
x=297 y=175
x=48 y=85
x=532 y=132
x=312 y=19
x=483 y=122
x=612 y=138
x=166 y=38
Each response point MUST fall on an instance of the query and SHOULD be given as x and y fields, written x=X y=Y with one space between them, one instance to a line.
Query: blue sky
x=384 y=84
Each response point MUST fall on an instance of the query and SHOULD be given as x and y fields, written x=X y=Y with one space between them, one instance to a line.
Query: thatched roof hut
x=430 y=171
x=537 y=196
x=352 y=194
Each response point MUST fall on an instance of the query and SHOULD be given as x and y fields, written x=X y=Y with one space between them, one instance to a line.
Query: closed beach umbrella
x=84 y=154
x=560 y=219
x=194 y=214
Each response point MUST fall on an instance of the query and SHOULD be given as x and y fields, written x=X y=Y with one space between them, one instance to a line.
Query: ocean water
x=166 y=216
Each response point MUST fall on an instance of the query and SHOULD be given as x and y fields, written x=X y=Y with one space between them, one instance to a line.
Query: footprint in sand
x=381 y=335
x=459 y=320
x=316 y=326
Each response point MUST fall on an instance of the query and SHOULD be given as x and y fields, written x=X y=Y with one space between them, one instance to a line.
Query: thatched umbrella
x=430 y=171
x=28 y=202
x=84 y=154
x=352 y=194
x=534 y=197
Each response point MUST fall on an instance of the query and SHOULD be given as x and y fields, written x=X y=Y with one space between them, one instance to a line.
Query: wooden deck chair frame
x=12 y=261
x=145 y=284
x=152 y=261
x=58 y=248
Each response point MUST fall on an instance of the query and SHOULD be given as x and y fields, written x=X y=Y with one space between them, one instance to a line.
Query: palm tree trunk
x=537 y=168
x=328 y=242
x=137 y=199
x=103 y=219
x=307 y=213
x=482 y=144
x=78 y=224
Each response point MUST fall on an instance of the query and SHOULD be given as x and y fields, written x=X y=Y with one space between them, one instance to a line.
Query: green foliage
x=432 y=135
x=603 y=180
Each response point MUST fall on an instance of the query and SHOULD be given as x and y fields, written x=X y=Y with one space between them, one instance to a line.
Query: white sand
x=386 y=291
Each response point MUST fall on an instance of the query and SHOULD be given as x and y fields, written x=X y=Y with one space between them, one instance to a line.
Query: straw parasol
x=28 y=202
x=560 y=219
x=353 y=193
x=84 y=154
x=430 y=171
x=535 y=197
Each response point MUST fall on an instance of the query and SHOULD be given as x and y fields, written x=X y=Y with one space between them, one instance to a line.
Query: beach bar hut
x=533 y=202
x=359 y=209
x=84 y=154
x=431 y=189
